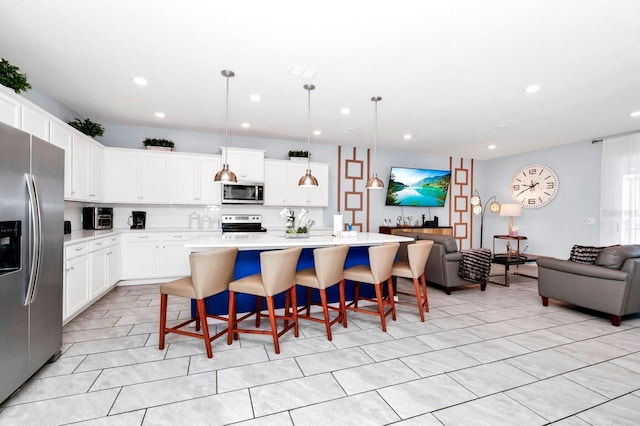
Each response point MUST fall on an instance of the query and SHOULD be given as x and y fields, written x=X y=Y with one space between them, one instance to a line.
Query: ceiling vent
x=303 y=72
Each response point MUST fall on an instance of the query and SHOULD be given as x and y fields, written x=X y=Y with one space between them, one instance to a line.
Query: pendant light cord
x=309 y=88
x=375 y=99
x=226 y=125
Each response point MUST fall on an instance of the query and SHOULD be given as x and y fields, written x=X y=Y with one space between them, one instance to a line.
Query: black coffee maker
x=138 y=219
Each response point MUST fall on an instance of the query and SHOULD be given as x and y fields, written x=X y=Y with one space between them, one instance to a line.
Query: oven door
x=242 y=193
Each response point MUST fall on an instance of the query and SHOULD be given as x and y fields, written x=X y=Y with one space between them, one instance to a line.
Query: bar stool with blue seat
x=413 y=268
x=277 y=275
x=328 y=270
x=211 y=272
x=378 y=272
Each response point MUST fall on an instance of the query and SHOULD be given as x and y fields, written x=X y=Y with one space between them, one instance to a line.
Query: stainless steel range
x=242 y=223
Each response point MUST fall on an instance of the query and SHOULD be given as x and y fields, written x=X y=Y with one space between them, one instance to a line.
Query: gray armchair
x=443 y=265
x=610 y=285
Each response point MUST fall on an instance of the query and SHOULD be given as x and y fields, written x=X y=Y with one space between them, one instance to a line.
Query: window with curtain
x=620 y=190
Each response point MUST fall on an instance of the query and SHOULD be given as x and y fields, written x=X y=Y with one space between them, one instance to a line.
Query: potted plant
x=159 y=144
x=298 y=155
x=11 y=77
x=87 y=127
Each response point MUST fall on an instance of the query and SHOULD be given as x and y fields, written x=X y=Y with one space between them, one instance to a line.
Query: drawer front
x=76 y=250
x=140 y=237
x=175 y=237
x=113 y=241
x=98 y=244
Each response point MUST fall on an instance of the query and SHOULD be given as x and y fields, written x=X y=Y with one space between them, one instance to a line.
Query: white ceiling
x=450 y=72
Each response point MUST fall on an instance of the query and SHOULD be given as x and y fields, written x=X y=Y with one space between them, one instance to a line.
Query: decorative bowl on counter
x=296 y=235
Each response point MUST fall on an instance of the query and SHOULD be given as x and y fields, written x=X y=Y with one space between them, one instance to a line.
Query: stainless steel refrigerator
x=31 y=245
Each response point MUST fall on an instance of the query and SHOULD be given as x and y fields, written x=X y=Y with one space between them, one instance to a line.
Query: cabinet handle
x=109 y=253
x=142 y=238
x=71 y=268
x=79 y=249
x=92 y=195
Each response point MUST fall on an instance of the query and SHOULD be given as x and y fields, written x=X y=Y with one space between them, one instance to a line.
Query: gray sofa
x=443 y=264
x=610 y=285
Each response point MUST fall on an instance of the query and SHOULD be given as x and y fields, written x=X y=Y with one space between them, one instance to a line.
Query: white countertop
x=274 y=240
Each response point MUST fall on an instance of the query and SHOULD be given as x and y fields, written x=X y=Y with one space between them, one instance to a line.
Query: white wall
x=553 y=229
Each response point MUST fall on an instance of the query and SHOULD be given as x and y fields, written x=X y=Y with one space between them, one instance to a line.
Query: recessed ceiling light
x=532 y=89
x=503 y=126
x=491 y=147
x=317 y=132
x=407 y=137
x=255 y=97
x=635 y=114
x=246 y=125
x=351 y=129
x=345 y=111
x=159 y=114
x=140 y=81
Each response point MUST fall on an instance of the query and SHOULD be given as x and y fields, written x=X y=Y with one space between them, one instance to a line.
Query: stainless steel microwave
x=242 y=193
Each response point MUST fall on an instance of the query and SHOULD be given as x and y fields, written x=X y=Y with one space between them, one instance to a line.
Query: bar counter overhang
x=248 y=262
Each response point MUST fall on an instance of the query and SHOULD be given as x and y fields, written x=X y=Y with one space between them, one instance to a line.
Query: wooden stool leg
x=356 y=294
x=416 y=285
x=383 y=322
x=343 y=309
x=391 y=299
x=325 y=310
x=272 y=320
x=308 y=306
x=258 y=310
x=163 y=319
x=424 y=292
x=287 y=305
x=294 y=301
x=231 y=323
x=202 y=313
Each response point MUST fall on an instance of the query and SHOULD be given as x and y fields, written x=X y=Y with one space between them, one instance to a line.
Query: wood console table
x=440 y=230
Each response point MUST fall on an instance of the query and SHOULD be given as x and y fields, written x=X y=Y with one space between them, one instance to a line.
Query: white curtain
x=620 y=190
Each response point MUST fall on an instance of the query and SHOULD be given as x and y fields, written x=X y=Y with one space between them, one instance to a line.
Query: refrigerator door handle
x=36 y=254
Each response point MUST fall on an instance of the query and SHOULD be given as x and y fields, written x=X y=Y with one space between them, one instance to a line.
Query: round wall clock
x=534 y=186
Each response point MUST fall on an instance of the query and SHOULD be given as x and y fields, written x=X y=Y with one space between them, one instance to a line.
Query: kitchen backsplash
x=178 y=216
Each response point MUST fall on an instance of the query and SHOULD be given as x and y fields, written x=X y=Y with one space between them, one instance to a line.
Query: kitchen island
x=248 y=262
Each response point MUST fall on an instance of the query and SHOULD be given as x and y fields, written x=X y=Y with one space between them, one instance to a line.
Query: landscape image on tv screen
x=417 y=187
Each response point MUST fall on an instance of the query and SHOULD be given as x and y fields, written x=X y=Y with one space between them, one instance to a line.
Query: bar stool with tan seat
x=211 y=272
x=328 y=271
x=277 y=275
x=413 y=268
x=381 y=260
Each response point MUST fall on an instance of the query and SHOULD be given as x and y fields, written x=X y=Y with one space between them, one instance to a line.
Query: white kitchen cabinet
x=96 y=172
x=281 y=184
x=174 y=256
x=247 y=164
x=76 y=280
x=62 y=137
x=155 y=255
x=9 y=110
x=139 y=256
x=80 y=168
x=191 y=178
x=98 y=268
x=136 y=176
x=35 y=123
x=113 y=260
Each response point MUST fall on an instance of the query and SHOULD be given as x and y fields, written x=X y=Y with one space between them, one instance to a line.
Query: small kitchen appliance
x=138 y=219
x=97 y=217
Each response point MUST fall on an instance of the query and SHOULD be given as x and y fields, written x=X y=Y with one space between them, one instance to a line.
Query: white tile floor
x=487 y=358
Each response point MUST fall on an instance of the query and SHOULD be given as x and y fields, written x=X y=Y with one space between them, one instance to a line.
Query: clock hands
x=529 y=188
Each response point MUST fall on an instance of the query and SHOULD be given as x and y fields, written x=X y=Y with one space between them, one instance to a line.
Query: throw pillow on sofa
x=614 y=256
x=584 y=254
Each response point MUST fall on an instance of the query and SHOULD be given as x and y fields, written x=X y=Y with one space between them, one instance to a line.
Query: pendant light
x=374 y=182
x=308 y=180
x=226 y=175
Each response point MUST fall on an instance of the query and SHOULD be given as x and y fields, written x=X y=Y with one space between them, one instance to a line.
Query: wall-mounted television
x=417 y=187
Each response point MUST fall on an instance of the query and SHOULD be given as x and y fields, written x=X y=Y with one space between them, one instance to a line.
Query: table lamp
x=511 y=210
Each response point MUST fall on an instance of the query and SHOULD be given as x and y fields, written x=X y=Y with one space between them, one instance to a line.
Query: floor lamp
x=476 y=207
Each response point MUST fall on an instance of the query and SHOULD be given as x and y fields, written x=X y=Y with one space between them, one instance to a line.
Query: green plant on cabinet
x=87 y=127
x=11 y=77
